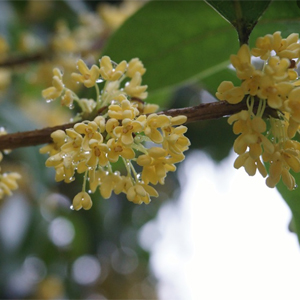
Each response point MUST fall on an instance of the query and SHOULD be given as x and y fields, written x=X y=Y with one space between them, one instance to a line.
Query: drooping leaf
x=243 y=15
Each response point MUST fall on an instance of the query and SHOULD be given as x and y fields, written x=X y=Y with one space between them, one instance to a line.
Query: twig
x=21 y=59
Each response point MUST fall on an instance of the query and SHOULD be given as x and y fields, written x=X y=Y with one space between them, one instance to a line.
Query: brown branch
x=21 y=59
x=200 y=112
x=17 y=59
x=30 y=138
x=206 y=111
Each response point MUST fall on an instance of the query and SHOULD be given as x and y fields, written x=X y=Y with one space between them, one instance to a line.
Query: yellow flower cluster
x=8 y=181
x=276 y=86
x=128 y=131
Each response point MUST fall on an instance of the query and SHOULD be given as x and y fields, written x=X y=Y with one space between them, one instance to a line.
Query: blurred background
x=118 y=250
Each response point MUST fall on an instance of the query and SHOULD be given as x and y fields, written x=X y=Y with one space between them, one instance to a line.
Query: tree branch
x=21 y=59
x=200 y=112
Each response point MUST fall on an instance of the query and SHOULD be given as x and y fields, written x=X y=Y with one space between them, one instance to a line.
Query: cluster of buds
x=8 y=181
x=128 y=131
x=264 y=138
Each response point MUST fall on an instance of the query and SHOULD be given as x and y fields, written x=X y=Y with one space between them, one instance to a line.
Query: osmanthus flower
x=284 y=48
x=88 y=76
x=152 y=123
x=109 y=183
x=141 y=193
x=96 y=145
x=274 y=93
x=67 y=99
x=285 y=157
x=242 y=62
x=232 y=94
x=57 y=87
x=250 y=164
x=98 y=154
x=279 y=69
x=148 y=108
x=82 y=200
x=117 y=149
x=249 y=86
x=274 y=86
x=134 y=66
x=58 y=138
x=156 y=164
x=123 y=110
x=174 y=140
x=134 y=87
x=110 y=72
x=90 y=130
x=251 y=142
x=126 y=131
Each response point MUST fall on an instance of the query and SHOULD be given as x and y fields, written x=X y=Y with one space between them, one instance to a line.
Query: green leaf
x=177 y=41
x=292 y=198
x=243 y=15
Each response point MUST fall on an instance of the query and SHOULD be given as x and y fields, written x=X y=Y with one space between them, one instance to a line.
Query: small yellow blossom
x=109 y=183
x=108 y=72
x=8 y=183
x=227 y=91
x=135 y=65
x=99 y=152
x=111 y=124
x=125 y=110
x=87 y=105
x=174 y=140
x=141 y=193
x=88 y=76
x=250 y=164
x=252 y=84
x=134 y=87
x=155 y=165
x=279 y=70
x=117 y=149
x=285 y=157
x=275 y=93
x=90 y=131
x=56 y=90
x=67 y=99
x=242 y=62
x=126 y=131
x=149 y=108
x=153 y=122
x=58 y=138
x=82 y=200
